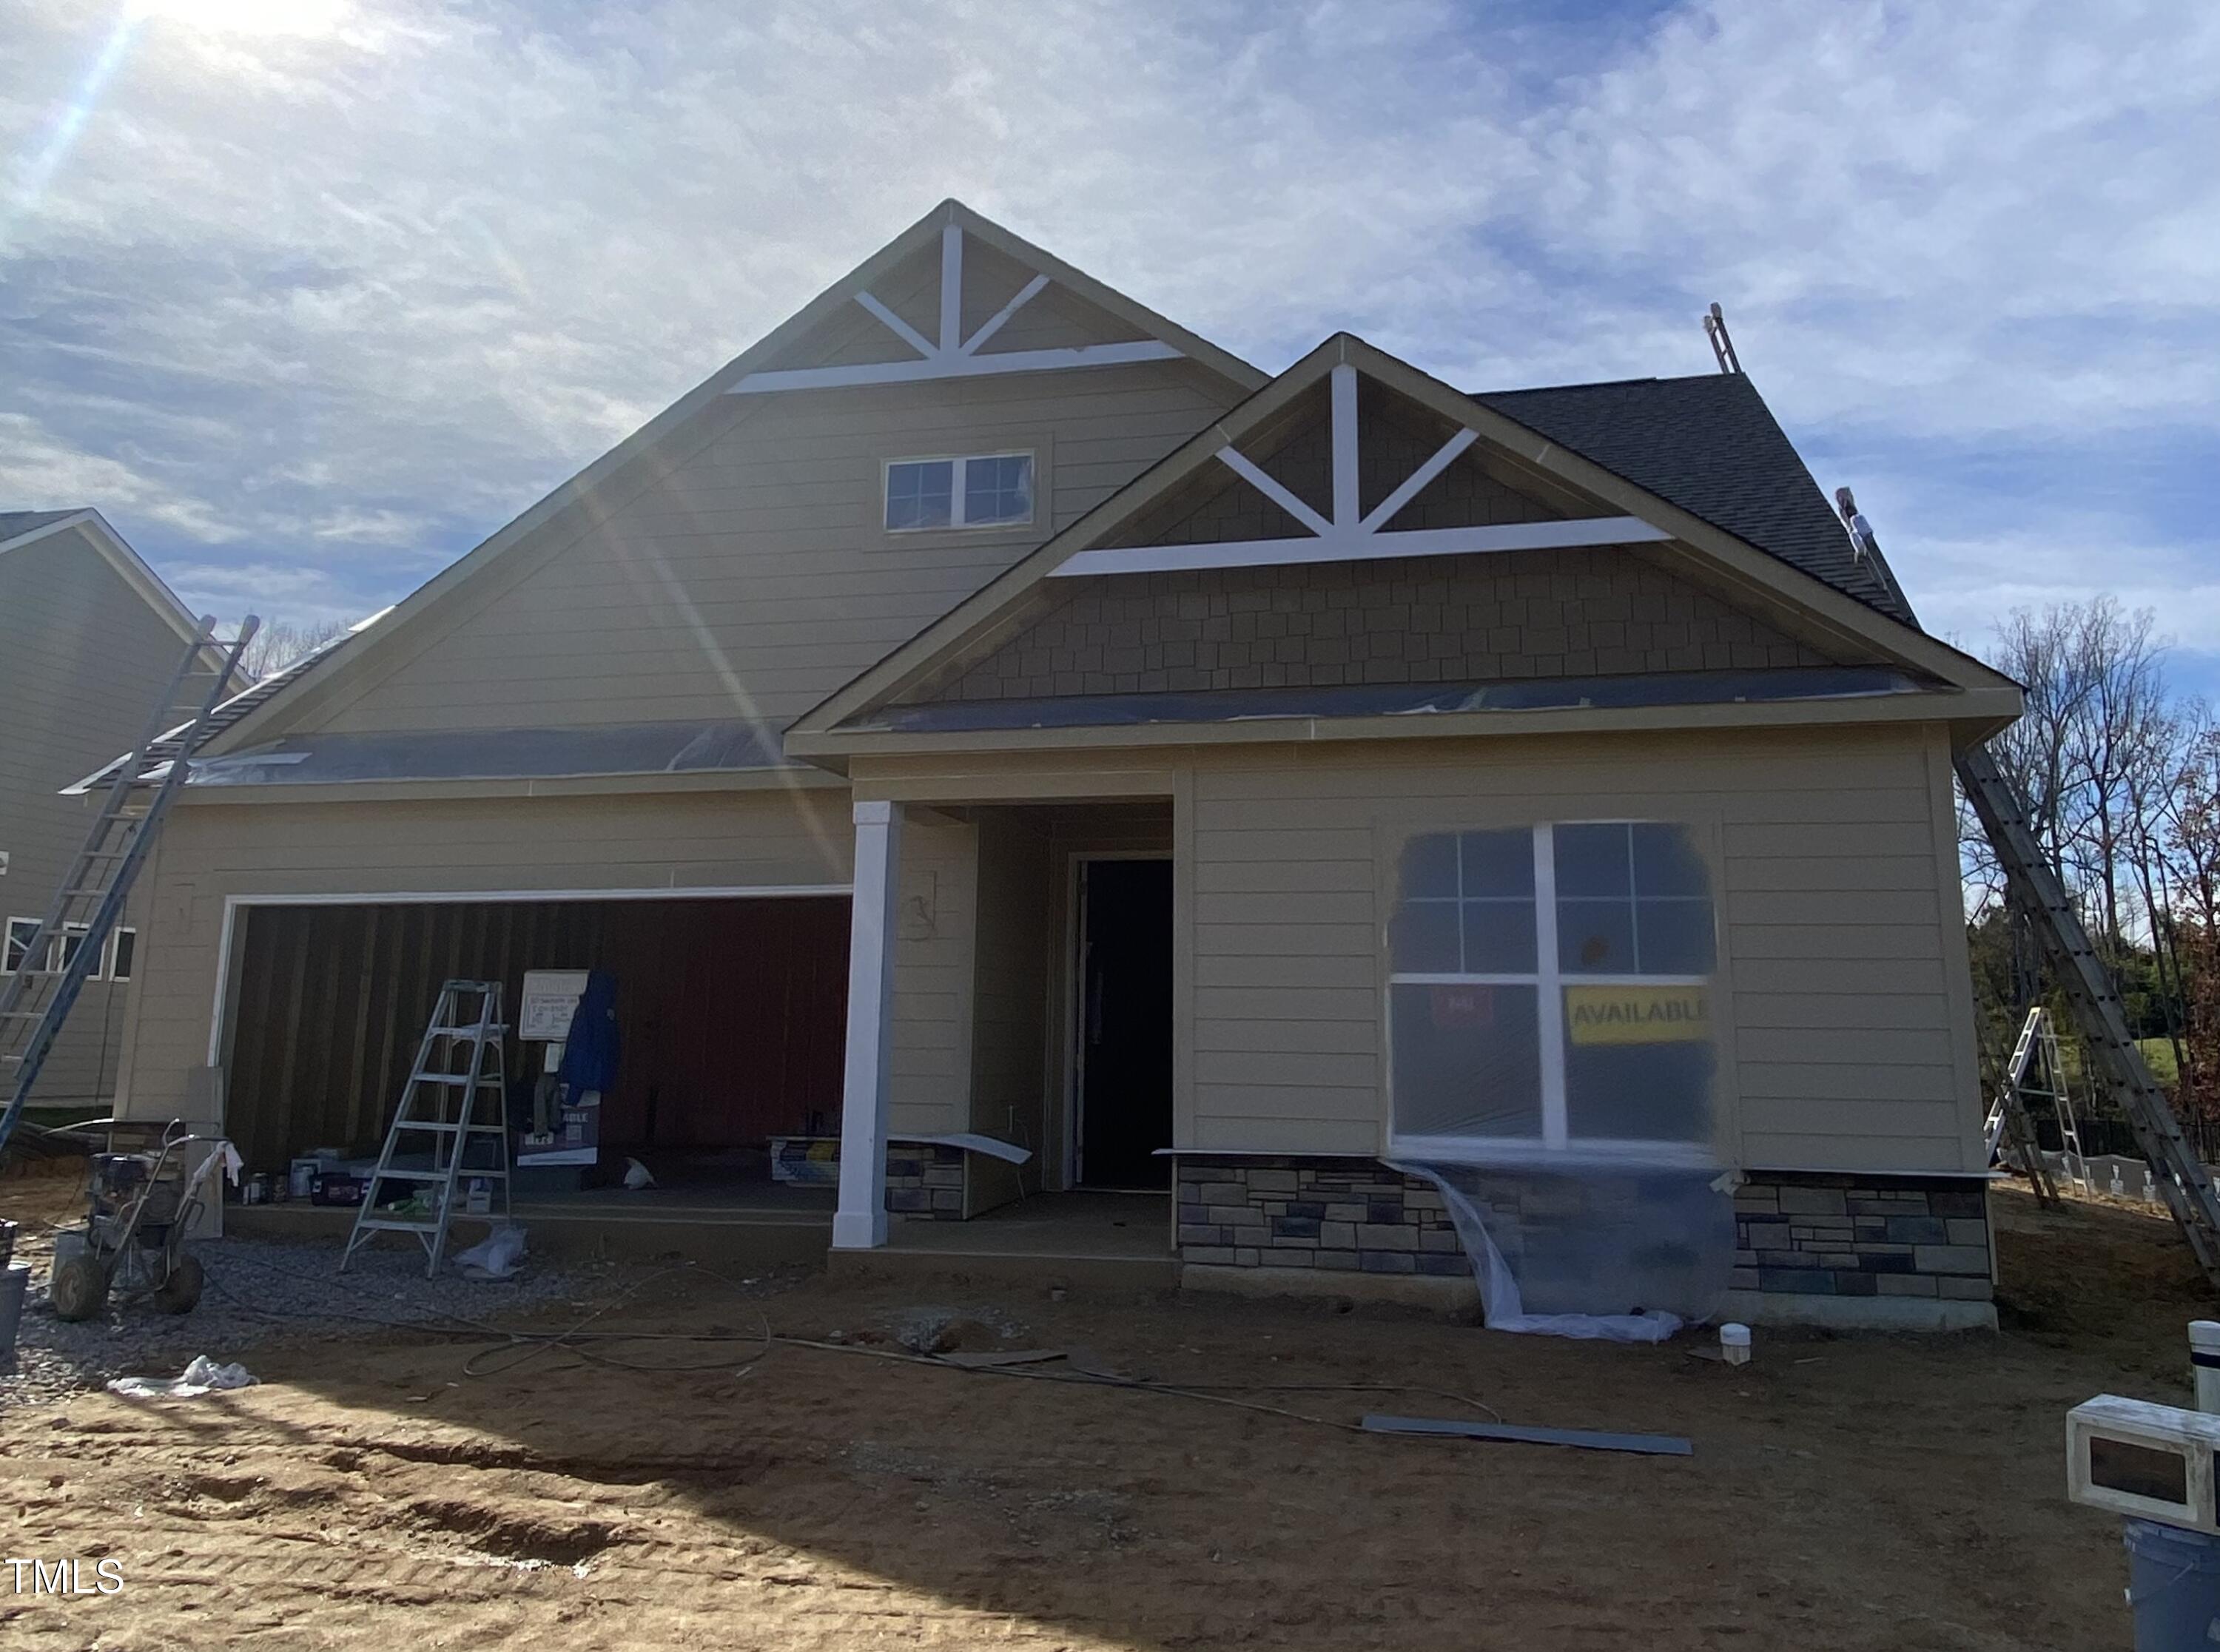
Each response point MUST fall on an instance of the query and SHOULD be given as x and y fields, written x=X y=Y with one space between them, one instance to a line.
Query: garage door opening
x=732 y=1013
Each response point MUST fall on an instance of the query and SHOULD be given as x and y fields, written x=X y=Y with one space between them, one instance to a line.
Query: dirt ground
x=1866 y=1492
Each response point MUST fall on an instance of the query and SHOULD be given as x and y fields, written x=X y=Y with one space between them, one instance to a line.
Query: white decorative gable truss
x=954 y=356
x=1350 y=536
x=1600 y=509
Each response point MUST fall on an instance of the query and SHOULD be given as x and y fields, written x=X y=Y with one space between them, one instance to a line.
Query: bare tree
x=280 y=642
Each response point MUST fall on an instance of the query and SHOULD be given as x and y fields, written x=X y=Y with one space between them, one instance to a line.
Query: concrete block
x=1916 y=1230
x=1441 y=1241
x=908 y=1199
x=1964 y=1290
x=1340 y=1235
x=1245 y=1256
x=1967 y=1199
x=1222 y=1255
x=1809 y=1280
x=1386 y=1261
x=1282 y=1182
x=1443 y=1265
x=1853 y=1283
x=1372 y=1235
x=1815 y=1201
x=1295 y=1227
x=1743 y=1279
x=1952 y=1259
x=1201 y=1233
x=1342 y=1211
x=1905 y=1285
x=1223 y=1193
x=1343 y=1259
x=1968 y=1229
x=1257 y=1236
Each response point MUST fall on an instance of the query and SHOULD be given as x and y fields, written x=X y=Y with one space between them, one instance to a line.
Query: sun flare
x=307 y=18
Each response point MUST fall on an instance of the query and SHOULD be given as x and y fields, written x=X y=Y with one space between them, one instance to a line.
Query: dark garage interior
x=731 y=1012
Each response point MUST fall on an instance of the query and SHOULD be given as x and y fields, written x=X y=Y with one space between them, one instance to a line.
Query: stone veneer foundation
x=1797 y=1236
x=925 y=1179
x=1350 y=1215
x=1863 y=1236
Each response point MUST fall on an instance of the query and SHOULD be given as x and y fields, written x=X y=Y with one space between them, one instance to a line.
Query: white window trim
x=956 y=517
x=108 y=952
x=1549 y=979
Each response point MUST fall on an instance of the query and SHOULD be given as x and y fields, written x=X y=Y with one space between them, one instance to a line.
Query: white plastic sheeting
x=1616 y=1255
x=1554 y=1064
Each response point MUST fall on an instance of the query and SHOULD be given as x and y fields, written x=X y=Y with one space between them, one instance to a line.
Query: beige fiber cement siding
x=211 y=852
x=753 y=577
x=1480 y=619
x=1845 y=1011
x=82 y=658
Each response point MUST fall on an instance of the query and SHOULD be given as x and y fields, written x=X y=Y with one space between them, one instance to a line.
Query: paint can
x=1734 y=1343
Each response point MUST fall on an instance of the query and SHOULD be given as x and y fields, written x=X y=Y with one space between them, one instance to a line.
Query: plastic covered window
x=18 y=943
x=998 y=489
x=1549 y=989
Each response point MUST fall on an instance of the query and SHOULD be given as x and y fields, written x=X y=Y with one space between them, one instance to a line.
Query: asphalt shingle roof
x=1711 y=446
x=14 y=524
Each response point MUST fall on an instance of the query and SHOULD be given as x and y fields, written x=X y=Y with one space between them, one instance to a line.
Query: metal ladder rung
x=451 y=1128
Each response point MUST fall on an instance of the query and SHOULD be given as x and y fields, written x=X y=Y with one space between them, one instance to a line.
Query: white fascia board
x=1341 y=546
x=954 y=364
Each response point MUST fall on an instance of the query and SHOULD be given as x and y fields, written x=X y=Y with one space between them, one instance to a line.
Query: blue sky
x=310 y=295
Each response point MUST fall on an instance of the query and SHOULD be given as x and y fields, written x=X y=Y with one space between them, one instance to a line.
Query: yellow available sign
x=1638 y=1014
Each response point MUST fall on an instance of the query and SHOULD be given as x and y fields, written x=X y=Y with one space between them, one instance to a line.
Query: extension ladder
x=66 y=948
x=2183 y=1181
x=451 y=1128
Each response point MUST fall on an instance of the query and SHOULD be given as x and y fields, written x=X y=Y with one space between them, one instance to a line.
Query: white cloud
x=310 y=293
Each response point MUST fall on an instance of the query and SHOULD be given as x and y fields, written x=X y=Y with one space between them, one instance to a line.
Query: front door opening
x=1124 y=1054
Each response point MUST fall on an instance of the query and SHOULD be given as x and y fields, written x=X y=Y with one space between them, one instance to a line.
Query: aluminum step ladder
x=2037 y=1072
x=66 y=949
x=2034 y=888
x=451 y=1130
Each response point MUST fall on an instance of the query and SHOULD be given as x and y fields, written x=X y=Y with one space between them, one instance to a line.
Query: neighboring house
x=89 y=640
x=1239 y=780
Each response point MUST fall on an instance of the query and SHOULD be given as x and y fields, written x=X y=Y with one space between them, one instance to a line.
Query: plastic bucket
x=15 y=1283
x=2174 y=1585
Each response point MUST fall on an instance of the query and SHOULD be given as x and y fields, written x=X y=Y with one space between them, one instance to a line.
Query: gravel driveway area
x=261 y=1291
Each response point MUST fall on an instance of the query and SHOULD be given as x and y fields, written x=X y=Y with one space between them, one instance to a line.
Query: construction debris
x=1654 y=1445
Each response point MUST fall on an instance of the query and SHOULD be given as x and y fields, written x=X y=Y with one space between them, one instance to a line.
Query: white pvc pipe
x=2204 y=1362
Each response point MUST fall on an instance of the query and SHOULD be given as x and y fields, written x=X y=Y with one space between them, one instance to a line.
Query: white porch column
x=860 y=1222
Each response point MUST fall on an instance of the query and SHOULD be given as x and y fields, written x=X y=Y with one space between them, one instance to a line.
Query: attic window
x=978 y=490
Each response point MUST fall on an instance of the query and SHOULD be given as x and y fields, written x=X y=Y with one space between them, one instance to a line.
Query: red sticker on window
x=1463 y=1006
